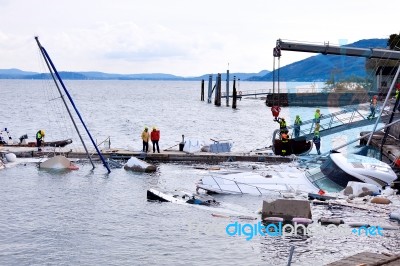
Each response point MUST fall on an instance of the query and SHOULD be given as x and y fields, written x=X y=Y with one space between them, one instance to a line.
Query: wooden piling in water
x=217 y=100
x=234 y=93
x=209 y=89
x=227 y=87
x=202 y=91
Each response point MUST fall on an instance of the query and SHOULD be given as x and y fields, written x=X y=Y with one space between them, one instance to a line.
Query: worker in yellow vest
x=145 y=138
x=39 y=139
x=297 y=124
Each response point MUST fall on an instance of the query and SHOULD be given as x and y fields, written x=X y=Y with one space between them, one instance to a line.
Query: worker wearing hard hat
x=145 y=138
x=297 y=124
x=282 y=125
x=39 y=138
x=317 y=141
x=155 y=137
x=372 y=107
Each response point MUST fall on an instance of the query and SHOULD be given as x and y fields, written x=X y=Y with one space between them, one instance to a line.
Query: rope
x=55 y=111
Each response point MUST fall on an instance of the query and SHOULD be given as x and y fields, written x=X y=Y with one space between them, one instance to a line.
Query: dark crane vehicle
x=333 y=99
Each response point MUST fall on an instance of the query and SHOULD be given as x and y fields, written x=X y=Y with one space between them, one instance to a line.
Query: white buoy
x=11 y=157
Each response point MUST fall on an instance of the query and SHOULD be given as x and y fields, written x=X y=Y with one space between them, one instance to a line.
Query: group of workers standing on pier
x=154 y=136
x=284 y=132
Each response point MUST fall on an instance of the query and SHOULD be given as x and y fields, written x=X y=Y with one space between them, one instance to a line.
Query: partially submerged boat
x=57 y=143
x=58 y=163
x=7 y=141
x=297 y=146
x=181 y=197
x=332 y=176
x=9 y=159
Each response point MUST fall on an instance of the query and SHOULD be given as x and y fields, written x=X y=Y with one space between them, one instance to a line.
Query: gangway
x=349 y=117
x=332 y=123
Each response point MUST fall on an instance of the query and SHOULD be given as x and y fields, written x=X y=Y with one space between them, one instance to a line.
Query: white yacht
x=332 y=176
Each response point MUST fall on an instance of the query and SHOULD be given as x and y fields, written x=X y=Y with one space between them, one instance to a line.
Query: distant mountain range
x=19 y=74
x=315 y=68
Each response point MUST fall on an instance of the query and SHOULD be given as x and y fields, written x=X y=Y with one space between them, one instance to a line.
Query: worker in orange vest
x=285 y=142
x=155 y=137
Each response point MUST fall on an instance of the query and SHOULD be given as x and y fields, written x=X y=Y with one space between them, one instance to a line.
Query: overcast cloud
x=185 y=38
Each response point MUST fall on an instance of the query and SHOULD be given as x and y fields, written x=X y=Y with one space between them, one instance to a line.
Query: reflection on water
x=87 y=217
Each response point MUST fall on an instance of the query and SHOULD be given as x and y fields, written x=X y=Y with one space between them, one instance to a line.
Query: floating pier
x=164 y=156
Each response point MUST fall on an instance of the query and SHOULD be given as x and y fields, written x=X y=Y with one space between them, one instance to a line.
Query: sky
x=183 y=38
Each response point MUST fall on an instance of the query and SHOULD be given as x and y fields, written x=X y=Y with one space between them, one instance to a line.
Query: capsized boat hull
x=58 y=163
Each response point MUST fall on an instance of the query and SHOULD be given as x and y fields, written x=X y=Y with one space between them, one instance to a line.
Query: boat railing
x=347 y=118
x=106 y=142
x=244 y=184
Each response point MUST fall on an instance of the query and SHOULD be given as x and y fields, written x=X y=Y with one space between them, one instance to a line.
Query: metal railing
x=288 y=188
x=332 y=123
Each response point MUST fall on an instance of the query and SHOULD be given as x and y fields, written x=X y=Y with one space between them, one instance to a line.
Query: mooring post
x=217 y=100
x=240 y=92
x=202 y=90
x=227 y=87
x=209 y=89
x=234 y=93
x=216 y=90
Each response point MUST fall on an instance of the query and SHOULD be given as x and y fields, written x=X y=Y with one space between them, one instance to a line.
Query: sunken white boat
x=332 y=176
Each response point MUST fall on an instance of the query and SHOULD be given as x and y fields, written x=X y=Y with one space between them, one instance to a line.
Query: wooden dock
x=164 y=156
x=368 y=259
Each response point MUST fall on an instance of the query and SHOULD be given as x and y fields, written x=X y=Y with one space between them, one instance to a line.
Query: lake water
x=88 y=217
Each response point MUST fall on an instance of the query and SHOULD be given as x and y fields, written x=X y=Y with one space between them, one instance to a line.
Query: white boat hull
x=57 y=163
x=332 y=176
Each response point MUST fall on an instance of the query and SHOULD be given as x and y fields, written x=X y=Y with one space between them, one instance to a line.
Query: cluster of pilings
x=218 y=88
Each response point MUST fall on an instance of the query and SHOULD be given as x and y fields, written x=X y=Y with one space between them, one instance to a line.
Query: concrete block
x=286 y=209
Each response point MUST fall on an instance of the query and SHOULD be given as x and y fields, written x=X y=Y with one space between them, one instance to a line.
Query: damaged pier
x=164 y=156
